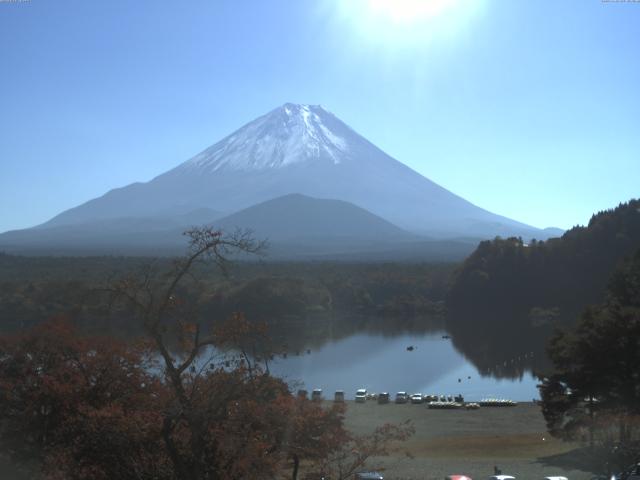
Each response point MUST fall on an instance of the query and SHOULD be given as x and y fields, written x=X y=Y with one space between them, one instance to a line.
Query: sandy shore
x=470 y=442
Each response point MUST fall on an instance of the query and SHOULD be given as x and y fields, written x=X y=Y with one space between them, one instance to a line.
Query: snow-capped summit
x=298 y=149
x=287 y=135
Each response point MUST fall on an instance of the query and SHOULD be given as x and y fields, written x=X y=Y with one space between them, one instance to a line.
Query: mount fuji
x=294 y=149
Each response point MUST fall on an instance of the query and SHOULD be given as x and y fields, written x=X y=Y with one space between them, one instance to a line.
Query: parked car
x=402 y=397
x=302 y=393
x=316 y=395
x=416 y=398
x=361 y=395
x=369 y=476
x=383 y=398
x=339 y=396
x=457 y=477
x=502 y=477
x=555 y=478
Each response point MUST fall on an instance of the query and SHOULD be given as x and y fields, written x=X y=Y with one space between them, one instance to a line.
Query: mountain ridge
x=298 y=149
x=295 y=227
x=300 y=216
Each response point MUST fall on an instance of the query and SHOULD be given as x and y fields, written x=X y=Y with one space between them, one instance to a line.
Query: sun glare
x=410 y=11
x=405 y=23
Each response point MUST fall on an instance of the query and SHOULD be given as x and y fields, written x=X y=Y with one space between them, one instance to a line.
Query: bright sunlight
x=410 y=11
x=406 y=23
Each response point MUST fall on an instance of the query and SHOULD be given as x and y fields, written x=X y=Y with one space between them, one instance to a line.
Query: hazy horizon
x=526 y=110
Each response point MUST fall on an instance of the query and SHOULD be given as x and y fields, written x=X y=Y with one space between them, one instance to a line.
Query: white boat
x=497 y=402
x=444 y=405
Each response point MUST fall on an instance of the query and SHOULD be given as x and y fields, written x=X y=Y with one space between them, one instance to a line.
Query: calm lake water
x=380 y=362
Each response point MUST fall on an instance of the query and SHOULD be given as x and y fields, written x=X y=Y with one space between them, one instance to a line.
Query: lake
x=381 y=362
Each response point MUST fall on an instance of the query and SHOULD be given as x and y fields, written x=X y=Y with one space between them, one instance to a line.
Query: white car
x=361 y=395
x=416 y=398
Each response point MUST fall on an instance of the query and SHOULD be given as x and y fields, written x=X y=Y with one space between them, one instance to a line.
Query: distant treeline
x=508 y=296
x=33 y=289
x=502 y=303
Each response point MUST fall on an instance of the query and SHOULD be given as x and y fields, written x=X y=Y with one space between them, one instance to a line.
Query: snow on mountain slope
x=307 y=150
x=291 y=134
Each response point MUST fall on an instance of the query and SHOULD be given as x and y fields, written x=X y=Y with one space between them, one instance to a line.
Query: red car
x=457 y=477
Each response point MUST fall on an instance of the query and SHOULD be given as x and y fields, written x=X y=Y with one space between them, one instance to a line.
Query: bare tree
x=362 y=451
x=156 y=305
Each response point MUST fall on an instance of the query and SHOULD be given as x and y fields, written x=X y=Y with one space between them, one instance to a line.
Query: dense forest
x=593 y=393
x=502 y=304
x=305 y=304
x=78 y=407
x=508 y=297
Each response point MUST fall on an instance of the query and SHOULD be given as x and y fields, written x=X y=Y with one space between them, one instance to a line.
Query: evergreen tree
x=595 y=389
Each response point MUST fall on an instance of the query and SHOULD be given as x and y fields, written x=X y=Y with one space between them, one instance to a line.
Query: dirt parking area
x=471 y=442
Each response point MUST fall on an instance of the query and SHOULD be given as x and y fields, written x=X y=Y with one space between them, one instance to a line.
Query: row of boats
x=497 y=402
x=432 y=401
x=486 y=402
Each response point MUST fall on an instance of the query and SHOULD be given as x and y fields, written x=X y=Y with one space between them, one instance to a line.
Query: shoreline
x=469 y=442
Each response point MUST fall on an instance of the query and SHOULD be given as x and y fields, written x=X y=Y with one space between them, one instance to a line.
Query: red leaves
x=89 y=408
x=92 y=408
x=77 y=403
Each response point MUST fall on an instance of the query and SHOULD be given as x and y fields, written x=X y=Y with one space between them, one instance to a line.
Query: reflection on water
x=382 y=363
x=347 y=353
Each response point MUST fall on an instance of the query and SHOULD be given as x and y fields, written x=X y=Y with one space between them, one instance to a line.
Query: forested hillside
x=509 y=296
x=298 y=299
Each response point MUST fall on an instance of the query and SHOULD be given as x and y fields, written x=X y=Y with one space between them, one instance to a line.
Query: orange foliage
x=97 y=408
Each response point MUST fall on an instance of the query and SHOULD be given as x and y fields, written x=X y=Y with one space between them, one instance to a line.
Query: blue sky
x=528 y=109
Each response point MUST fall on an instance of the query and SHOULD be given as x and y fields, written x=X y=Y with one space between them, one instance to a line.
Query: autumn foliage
x=186 y=403
x=89 y=404
x=96 y=408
